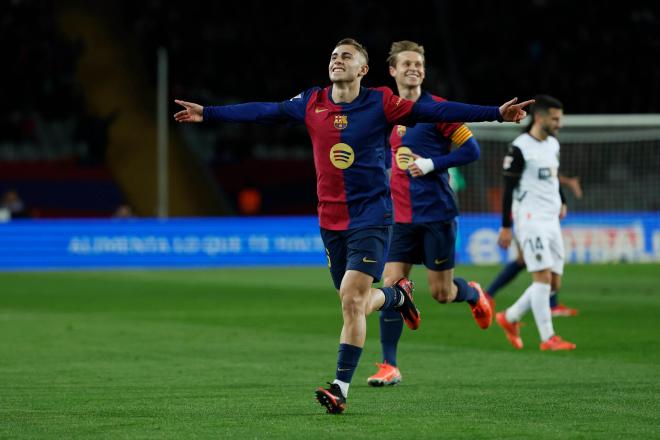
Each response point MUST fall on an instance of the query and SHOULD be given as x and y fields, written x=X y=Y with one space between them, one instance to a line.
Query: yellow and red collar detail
x=461 y=135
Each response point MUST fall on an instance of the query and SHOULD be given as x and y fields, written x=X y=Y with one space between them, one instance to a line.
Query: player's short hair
x=544 y=103
x=353 y=42
x=402 y=46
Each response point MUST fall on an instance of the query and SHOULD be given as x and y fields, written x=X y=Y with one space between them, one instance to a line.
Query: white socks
x=536 y=297
x=541 y=309
x=520 y=307
x=343 y=386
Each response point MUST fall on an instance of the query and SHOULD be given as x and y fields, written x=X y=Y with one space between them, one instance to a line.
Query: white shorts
x=542 y=245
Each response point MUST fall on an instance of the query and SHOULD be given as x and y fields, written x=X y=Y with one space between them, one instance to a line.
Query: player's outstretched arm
x=260 y=112
x=192 y=112
x=513 y=112
x=449 y=111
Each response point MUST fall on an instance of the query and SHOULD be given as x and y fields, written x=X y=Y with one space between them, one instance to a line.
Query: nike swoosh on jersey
x=319 y=110
x=366 y=260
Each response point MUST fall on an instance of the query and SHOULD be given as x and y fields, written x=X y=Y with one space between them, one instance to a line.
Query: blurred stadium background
x=81 y=120
x=94 y=175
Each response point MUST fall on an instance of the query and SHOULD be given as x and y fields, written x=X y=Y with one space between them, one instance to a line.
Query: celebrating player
x=533 y=195
x=424 y=206
x=348 y=125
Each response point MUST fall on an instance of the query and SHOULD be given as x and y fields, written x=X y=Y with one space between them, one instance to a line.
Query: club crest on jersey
x=400 y=130
x=342 y=156
x=404 y=157
x=341 y=122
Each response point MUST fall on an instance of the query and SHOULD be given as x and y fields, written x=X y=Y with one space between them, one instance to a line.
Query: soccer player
x=511 y=270
x=533 y=195
x=424 y=206
x=348 y=125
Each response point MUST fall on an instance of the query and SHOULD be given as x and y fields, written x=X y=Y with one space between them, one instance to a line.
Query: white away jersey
x=537 y=164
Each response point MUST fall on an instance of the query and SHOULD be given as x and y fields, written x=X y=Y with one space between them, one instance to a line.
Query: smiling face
x=347 y=64
x=408 y=72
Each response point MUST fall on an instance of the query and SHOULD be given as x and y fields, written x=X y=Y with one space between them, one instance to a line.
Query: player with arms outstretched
x=348 y=125
x=534 y=203
x=424 y=206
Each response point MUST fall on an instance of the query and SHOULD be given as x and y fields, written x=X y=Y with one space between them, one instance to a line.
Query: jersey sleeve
x=514 y=163
x=447 y=129
x=448 y=111
x=397 y=110
x=296 y=108
x=513 y=166
x=468 y=150
x=292 y=110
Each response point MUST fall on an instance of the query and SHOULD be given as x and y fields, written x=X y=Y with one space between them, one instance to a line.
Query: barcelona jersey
x=349 y=141
x=428 y=198
x=348 y=144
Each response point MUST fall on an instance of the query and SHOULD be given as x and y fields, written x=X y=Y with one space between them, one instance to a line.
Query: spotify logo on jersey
x=342 y=156
x=404 y=157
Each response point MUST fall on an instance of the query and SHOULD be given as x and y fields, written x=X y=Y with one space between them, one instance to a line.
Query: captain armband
x=461 y=135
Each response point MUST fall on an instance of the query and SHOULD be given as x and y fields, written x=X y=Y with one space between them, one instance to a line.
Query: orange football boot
x=556 y=343
x=560 y=310
x=386 y=375
x=481 y=311
x=511 y=330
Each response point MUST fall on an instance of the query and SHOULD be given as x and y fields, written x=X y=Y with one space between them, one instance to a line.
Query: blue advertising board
x=275 y=241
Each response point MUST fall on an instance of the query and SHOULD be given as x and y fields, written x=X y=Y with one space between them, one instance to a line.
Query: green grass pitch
x=238 y=353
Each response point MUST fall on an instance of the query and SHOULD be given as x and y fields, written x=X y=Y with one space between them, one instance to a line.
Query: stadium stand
x=47 y=118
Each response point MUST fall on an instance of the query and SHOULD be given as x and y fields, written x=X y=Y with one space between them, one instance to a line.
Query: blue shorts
x=431 y=243
x=361 y=249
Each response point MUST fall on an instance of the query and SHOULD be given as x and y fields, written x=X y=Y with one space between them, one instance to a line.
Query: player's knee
x=543 y=276
x=352 y=302
x=442 y=293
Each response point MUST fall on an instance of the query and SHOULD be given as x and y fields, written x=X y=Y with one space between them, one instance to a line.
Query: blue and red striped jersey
x=348 y=153
x=427 y=198
x=349 y=142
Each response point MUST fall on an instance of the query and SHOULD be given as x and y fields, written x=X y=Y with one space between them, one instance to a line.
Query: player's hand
x=513 y=112
x=192 y=113
x=414 y=169
x=573 y=183
x=564 y=211
x=420 y=166
x=505 y=238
